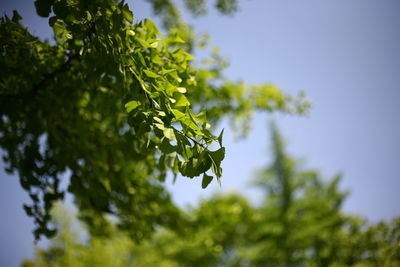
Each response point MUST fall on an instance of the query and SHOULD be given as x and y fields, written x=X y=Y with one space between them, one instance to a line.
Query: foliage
x=110 y=106
x=299 y=223
x=171 y=16
x=300 y=215
x=66 y=250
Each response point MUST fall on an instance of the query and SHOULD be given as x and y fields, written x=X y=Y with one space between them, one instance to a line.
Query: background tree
x=299 y=223
x=300 y=214
x=111 y=106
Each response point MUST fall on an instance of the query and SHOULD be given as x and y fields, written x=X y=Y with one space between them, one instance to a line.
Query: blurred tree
x=362 y=245
x=68 y=248
x=111 y=106
x=298 y=224
x=300 y=215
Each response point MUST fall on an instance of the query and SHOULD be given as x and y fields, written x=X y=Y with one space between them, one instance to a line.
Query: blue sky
x=344 y=54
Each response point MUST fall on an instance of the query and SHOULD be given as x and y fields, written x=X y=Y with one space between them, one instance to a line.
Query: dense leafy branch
x=141 y=86
x=49 y=76
x=120 y=106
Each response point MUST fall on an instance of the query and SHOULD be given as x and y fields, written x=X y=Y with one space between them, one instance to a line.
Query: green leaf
x=216 y=158
x=151 y=74
x=160 y=126
x=169 y=133
x=188 y=56
x=177 y=163
x=166 y=71
x=157 y=119
x=128 y=15
x=181 y=100
x=217 y=155
x=202 y=117
x=178 y=39
x=178 y=114
x=206 y=180
x=204 y=162
x=151 y=27
x=141 y=59
x=166 y=147
x=218 y=172
x=220 y=137
x=154 y=44
x=131 y=105
x=183 y=139
x=58 y=28
x=181 y=90
x=188 y=170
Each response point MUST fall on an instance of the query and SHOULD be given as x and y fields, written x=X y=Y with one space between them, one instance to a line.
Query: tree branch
x=49 y=76
x=45 y=79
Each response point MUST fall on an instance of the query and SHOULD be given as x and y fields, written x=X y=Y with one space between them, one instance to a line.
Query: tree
x=299 y=223
x=111 y=106
x=300 y=215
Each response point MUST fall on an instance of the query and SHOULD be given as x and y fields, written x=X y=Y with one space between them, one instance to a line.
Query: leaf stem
x=191 y=138
x=136 y=78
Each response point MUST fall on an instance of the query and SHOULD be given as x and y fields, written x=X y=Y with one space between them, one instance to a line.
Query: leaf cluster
x=109 y=108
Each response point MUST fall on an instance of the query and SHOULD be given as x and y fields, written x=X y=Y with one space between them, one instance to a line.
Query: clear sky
x=345 y=54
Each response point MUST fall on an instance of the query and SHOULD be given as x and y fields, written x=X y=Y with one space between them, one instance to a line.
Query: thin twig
x=191 y=138
x=145 y=91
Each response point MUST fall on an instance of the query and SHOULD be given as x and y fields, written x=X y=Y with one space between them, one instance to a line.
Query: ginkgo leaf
x=206 y=180
x=131 y=105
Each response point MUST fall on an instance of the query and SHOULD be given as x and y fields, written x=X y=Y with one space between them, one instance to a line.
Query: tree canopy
x=111 y=105
x=298 y=223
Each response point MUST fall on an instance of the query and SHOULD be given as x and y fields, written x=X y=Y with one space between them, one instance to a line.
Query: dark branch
x=191 y=138
x=45 y=79
x=50 y=76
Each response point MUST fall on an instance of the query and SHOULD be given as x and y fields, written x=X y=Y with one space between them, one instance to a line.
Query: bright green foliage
x=68 y=248
x=113 y=105
x=299 y=223
x=300 y=216
x=210 y=237
x=171 y=16
x=365 y=245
